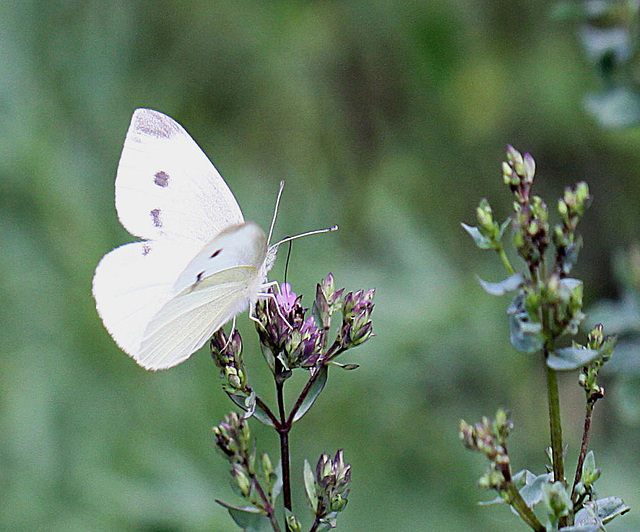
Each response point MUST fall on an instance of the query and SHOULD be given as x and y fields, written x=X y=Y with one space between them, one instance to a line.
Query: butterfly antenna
x=308 y=233
x=286 y=264
x=275 y=211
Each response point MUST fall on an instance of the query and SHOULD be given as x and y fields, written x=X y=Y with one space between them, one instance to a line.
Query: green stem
x=554 y=422
x=505 y=260
x=584 y=447
x=526 y=514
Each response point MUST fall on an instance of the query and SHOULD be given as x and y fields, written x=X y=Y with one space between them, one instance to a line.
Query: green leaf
x=510 y=284
x=251 y=407
x=277 y=486
x=347 y=367
x=574 y=357
x=481 y=241
x=525 y=335
x=249 y=518
x=244 y=401
x=503 y=226
x=310 y=486
x=532 y=491
x=262 y=416
x=610 y=508
x=313 y=394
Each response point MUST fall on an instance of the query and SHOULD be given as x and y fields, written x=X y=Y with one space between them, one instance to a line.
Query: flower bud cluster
x=571 y=208
x=254 y=479
x=295 y=339
x=531 y=226
x=233 y=438
x=227 y=355
x=286 y=332
x=356 y=325
x=332 y=479
x=589 y=377
x=490 y=438
x=518 y=172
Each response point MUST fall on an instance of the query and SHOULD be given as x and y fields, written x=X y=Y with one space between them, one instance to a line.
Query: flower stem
x=283 y=432
x=519 y=505
x=554 y=422
x=584 y=446
x=505 y=260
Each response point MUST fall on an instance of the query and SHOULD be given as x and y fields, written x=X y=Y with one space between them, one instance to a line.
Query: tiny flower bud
x=529 y=168
x=242 y=480
x=293 y=525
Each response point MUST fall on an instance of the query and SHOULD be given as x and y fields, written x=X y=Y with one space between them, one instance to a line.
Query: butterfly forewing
x=166 y=187
x=219 y=283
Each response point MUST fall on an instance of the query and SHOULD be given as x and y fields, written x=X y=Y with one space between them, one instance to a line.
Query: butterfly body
x=199 y=263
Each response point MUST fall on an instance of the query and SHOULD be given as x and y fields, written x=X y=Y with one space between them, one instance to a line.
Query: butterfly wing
x=166 y=187
x=132 y=283
x=219 y=283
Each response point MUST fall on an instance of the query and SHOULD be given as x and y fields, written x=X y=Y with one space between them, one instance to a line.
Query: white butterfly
x=199 y=264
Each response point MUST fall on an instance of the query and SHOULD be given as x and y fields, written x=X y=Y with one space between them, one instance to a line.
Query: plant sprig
x=292 y=338
x=544 y=318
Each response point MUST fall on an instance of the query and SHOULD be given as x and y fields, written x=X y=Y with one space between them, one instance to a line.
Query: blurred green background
x=387 y=118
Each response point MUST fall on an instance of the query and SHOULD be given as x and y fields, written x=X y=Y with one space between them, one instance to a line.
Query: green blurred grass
x=386 y=118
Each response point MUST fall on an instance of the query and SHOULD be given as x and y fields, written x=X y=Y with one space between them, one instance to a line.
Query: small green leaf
x=525 y=335
x=574 y=357
x=581 y=528
x=504 y=226
x=532 y=491
x=249 y=518
x=262 y=416
x=610 y=508
x=244 y=401
x=313 y=394
x=481 y=241
x=310 y=486
x=347 y=367
x=277 y=486
x=510 y=284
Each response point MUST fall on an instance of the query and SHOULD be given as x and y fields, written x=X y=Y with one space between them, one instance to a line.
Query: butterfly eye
x=215 y=253
x=161 y=179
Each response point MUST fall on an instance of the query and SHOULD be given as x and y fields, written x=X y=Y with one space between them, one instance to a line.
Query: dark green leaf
x=310 y=486
x=244 y=401
x=262 y=416
x=249 y=518
x=313 y=394
x=344 y=366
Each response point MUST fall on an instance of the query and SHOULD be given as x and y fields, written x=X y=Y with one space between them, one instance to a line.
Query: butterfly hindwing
x=167 y=187
x=132 y=283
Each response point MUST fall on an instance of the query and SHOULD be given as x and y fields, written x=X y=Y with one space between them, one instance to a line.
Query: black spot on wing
x=155 y=215
x=215 y=253
x=161 y=179
x=199 y=277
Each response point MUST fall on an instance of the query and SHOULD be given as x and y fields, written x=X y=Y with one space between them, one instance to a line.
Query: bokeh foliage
x=387 y=118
